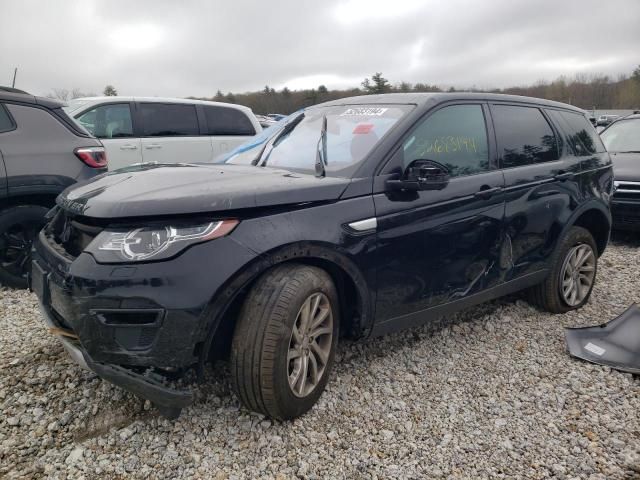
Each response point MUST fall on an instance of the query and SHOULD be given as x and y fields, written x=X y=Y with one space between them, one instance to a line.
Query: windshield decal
x=364 y=112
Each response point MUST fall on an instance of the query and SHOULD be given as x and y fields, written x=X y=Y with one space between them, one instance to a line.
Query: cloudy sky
x=181 y=48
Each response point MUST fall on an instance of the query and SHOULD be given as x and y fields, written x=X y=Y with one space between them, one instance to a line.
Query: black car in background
x=355 y=217
x=622 y=139
x=42 y=152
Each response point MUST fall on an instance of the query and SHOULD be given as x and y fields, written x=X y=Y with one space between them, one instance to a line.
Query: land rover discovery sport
x=355 y=217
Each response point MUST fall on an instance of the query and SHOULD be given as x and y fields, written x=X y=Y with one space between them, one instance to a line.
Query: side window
x=454 y=136
x=6 y=123
x=108 y=121
x=169 y=119
x=582 y=137
x=524 y=136
x=227 y=121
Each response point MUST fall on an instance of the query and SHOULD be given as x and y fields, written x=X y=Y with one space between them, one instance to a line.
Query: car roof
x=27 y=98
x=190 y=101
x=440 y=97
x=633 y=116
x=11 y=89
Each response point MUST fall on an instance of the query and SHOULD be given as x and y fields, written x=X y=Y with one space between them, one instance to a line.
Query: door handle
x=128 y=147
x=152 y=146
x=563 y=176
x=487 y=192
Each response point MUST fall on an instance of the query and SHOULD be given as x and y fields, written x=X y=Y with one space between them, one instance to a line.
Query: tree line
x=584 y=91
x=599 y=92
x=66 y=95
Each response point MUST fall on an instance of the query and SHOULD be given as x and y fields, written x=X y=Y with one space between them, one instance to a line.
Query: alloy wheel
x=310 y=344
x=578 y=273
x=15 y=249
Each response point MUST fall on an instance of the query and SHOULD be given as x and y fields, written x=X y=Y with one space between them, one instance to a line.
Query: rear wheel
x=18 y=228
x=572 y=276
x=285 y=341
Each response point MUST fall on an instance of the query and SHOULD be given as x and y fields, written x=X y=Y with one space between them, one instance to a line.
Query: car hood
x=626 y=166
x=174 y=189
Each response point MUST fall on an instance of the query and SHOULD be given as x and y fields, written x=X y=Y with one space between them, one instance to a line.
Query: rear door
x=440 y=246
x=227 y=128
x=171 y=133
x=6 y=125
x=113 y=124
x=541 y=185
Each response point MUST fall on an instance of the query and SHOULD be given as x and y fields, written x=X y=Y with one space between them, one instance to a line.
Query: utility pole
x=15 y=72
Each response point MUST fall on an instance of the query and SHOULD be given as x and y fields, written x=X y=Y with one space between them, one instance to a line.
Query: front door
x=440 y=246
x=112 y=124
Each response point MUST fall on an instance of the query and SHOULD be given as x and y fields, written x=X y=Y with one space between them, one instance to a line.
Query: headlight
x=154 y=242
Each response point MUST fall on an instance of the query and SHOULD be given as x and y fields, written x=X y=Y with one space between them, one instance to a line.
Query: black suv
x=359 y=216
x=42 y=152
x=622 y=139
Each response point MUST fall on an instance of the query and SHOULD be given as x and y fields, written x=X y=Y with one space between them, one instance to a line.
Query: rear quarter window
x=227 y=121
x=6 y=122
x=581 y=135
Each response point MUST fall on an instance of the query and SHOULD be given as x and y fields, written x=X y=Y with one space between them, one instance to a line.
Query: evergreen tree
x=110 y=91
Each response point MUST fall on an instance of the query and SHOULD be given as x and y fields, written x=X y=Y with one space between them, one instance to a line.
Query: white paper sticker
x=594 y=349
x=364 y=112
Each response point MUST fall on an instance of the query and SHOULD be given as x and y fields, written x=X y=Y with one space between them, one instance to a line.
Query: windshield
x=622 y=136
x=73 y=105
x=352 y=132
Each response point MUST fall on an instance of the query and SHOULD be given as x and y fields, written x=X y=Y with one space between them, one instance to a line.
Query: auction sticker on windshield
x=365 y=112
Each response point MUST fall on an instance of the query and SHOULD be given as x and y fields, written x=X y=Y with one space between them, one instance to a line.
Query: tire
x=549 y=294
x=261 y=370
x=18 y=228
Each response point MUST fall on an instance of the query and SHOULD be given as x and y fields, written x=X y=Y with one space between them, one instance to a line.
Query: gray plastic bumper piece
x=615 y=344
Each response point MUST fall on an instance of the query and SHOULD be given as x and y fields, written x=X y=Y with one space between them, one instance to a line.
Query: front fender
x=331 y=257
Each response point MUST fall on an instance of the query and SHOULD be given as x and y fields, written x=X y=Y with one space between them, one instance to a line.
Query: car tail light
x=95 y=157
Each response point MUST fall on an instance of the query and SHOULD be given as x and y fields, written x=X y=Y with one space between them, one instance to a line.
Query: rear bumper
x=169 y=400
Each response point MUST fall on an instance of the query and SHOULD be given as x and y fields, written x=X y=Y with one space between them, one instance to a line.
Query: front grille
x=72 y=233
x=626 y=215
x=628 y=190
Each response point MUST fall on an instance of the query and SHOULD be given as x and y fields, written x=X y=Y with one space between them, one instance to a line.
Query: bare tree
x=59 y=93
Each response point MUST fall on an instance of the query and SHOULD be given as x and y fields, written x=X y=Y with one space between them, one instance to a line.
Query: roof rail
x=12 y=90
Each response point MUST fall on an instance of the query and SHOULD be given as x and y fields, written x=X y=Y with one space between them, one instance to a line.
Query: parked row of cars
x=356 y=217
x=622 y=140
x=46 y=145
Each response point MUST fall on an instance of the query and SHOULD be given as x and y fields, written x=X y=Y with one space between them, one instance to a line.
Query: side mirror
x=421 y=174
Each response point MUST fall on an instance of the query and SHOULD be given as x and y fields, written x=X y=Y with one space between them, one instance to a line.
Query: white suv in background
x=163 y=130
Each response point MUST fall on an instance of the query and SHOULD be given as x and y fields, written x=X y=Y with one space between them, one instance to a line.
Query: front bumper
x=169 y=401
x=133 y=324
x=626 y=214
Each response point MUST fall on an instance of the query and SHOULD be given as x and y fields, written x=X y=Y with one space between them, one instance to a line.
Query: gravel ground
x=487 y=393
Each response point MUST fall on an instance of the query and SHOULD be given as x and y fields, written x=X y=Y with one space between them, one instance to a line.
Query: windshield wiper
x=629 y=151
x=268 y=147
x=321 y=150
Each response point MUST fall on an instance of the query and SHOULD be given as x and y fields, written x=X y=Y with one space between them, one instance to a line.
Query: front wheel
x=285 y=341
x=18 y=228
x=572 y=276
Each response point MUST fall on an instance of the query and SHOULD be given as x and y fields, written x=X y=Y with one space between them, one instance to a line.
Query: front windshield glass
x=73 y=105
x=622 y=136
x=352 y=132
